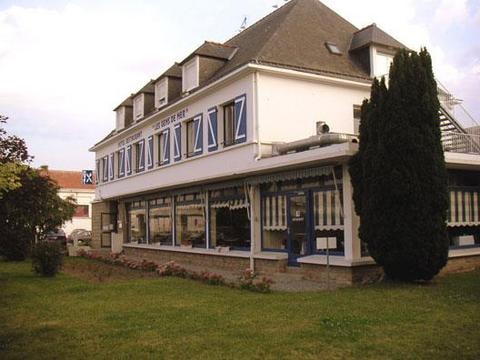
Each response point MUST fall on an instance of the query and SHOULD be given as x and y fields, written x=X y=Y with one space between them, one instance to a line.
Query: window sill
x=213 y=252
x=472 y=251
x=334 y=261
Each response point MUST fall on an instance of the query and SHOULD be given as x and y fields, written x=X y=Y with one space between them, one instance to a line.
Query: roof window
x=333 y=48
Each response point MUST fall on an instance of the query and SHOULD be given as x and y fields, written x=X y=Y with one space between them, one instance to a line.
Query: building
x=237 y=155
x=71 y=185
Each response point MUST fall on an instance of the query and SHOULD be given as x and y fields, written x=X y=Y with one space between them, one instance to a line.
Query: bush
x=46 y=258
x=248 y=281
x=14 y=245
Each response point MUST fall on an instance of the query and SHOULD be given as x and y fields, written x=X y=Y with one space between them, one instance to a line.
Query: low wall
x=339 y=276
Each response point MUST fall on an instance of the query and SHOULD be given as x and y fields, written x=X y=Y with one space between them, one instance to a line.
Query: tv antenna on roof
x=243 y=25
x=276 y=6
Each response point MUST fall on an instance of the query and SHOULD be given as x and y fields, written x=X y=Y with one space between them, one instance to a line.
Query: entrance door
x=297 y=227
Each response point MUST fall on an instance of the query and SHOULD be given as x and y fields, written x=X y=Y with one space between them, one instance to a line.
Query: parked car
x=58 y=235
x=80 y=237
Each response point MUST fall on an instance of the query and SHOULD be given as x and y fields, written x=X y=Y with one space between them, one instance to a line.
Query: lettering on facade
x=179 y=115
x=130 y=139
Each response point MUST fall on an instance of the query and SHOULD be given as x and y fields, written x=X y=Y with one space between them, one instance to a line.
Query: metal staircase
x=454 y=136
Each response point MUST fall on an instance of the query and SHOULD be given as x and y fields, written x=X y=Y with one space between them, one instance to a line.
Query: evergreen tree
x=399 y=175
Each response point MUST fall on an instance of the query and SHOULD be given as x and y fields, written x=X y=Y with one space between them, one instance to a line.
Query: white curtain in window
x=275 y=213
x=464 y=208
x=328 y=210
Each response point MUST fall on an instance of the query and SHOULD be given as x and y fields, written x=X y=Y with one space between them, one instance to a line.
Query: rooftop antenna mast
x=276 y=6
x=243 y=26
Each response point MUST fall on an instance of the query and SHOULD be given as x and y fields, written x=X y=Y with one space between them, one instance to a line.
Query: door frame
x=292 y=259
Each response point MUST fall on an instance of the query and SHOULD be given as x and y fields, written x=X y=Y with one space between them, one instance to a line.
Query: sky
x=64 y=65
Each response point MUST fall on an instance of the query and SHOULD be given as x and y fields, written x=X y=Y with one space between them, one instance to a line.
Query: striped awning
x=328 y=210
x=232 y=204
x=464 y=208
x=275 y=213
x=292 y=175
x=189 y=206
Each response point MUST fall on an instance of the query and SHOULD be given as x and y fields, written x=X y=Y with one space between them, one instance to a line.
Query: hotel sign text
x=179 y=115
x=130 y=139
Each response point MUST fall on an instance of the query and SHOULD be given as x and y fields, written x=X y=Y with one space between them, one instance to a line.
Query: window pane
x=228 y=120
x=190 y=225
x=190 y=138
x=137 y=226
x=229 y=224
x=160 y=226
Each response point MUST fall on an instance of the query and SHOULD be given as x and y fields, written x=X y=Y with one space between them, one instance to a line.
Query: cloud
x=450 y=12
x=63 y=68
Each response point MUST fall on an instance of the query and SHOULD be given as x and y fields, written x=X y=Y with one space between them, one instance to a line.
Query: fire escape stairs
x=454 y=136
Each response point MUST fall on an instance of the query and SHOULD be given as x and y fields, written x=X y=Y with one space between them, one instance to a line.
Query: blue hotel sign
x=87 y=177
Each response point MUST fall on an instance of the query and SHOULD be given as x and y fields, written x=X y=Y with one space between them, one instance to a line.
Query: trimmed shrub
x=46 y=258
x=15 y=245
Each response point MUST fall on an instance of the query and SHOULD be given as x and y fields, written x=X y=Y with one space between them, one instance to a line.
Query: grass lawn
x=166 y=318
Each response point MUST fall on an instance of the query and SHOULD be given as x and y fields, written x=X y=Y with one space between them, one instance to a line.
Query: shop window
x=464 y=237
x=190 y=222
x=160 y=222
x=229 y=222
x=81 y=211
x=137 y=228
x=274 y=222
x=328 y=222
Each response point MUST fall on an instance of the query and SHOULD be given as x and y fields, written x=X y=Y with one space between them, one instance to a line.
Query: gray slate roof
x=372 y=34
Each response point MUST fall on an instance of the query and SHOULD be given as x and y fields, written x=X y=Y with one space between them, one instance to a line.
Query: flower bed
x=248 y=280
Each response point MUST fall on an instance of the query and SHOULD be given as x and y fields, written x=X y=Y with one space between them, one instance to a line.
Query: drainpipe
x=249 y=191
x=255 y=116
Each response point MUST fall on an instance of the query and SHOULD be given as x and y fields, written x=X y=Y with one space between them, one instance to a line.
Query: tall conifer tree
x=399 y=174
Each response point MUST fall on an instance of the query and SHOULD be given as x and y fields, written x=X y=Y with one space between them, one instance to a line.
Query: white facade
x=82 y=198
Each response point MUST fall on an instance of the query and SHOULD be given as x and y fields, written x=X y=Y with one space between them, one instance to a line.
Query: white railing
x=461 y=143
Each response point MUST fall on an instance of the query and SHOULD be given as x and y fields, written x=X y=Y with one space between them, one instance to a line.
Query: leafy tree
x=399 y=175
x=13 y=157
x=30 y=205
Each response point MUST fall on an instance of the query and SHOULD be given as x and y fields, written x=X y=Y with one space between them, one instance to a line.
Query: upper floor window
x=140 y=156
x=138 y=107
x=161 y=93
x=164 y=147
x=190 y=74
x=194 y=136
x=81 y=211
x=235 y=121
x=229 y=124
x=382 y=64
x=357 y=115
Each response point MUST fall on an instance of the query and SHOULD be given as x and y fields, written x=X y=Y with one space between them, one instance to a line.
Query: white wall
x=82 y=197
x=289 y=108
x=193 y=168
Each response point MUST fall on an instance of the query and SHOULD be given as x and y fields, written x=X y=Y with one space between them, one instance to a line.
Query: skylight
x=333 y=48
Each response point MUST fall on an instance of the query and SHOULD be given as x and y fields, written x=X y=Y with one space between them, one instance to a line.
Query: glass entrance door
x=297 y=227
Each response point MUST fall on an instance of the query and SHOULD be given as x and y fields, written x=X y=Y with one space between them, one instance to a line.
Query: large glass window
x=328 y=221
x=160 y=222
x=137 y=227
x=229 y=222
x=190 y=221
x=229 y=124
x=274 y=213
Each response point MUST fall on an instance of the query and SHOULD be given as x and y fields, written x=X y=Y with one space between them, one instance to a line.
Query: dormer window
x=333 y=48
x=190 y=72
x=161 y=93
x=138 y=107
x=120 y=121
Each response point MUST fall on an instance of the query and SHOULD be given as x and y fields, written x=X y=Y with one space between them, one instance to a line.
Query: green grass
x=66 y=317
